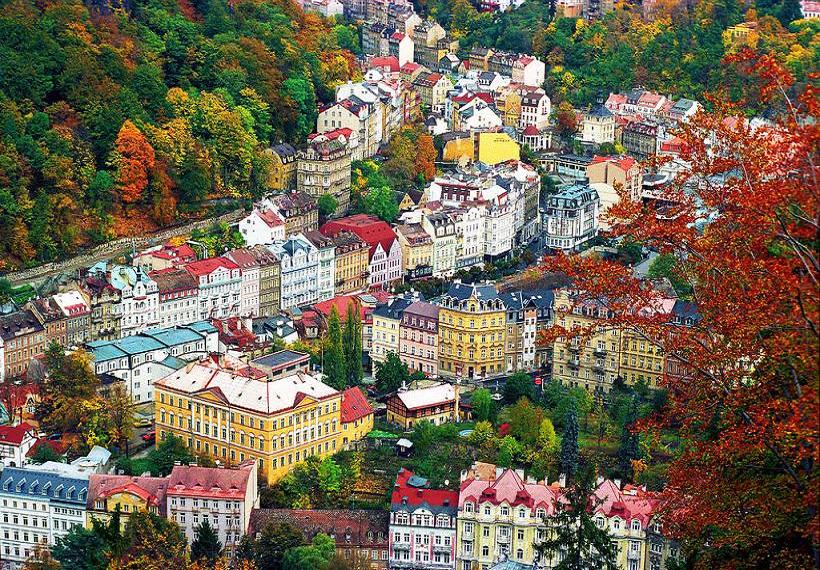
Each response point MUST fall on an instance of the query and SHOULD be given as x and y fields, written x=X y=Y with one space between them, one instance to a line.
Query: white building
x=442 y=229
x=571 y=217
x=326 y=270
x=219 y=281
x=15 y=443
x=178 y=296
x=499 y=227
x=40 y=504
x=535 y=110
x=385 y=264
x=529 y=70
x=138 y=307
x=262 y=227
x=249 y=287
x=598 y=125
x=299 y=261
x=469 y=222
x=477 y=115
x=142 y=358
x=223 y=497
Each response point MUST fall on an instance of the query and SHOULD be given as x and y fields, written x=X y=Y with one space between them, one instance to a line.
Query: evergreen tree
x=206 y=544
x=391 y=373
x=334 y=366
x=81 y=549
x=576 y=539
x=352 y=341
x=628 y=449
x=569 y=444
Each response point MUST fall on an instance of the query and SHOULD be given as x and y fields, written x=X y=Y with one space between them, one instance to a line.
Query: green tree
x=509 y=451
x=274 y=541
x=546 y=435
x=569 y=444
x=315 y=556
x=335 y=368
x=518 y=385
x=327 y=205
x=391 y=374
x=352 y=342
x=577 y=543
x=381 y=202
x=81 y=549
x=206 y=545
x=525 y=421
x=43 y=453
x=665 y=265
x=330 y=476
x=5 y=290
x=154 y=543
x=483 y=405
x=69 y=386
x=629 y=449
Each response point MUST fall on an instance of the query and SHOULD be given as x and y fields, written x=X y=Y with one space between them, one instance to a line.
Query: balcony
x=401 y=546
x=574 y=363
x=442 y=548
x=575 y=349
x=599 y=352
x=599 y=367
x=633 y=554
x=502 y=539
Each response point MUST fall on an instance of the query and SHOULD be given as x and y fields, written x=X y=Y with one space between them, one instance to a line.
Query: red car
x=150 y=436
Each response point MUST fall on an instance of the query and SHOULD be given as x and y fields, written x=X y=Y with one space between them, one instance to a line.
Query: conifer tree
x=206 y=545
x=569 y=444
x=334 y=366
x=352 y=341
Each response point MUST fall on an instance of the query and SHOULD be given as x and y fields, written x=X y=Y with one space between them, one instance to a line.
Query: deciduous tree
x=133 y=159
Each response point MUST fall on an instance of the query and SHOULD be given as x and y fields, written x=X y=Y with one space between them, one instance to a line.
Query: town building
x=140 y=359
x=472 y=328
x=598 y=125
x=501 y=516
x=359 y=109
x=164 y=256
x=324 y=168
x=225 y=498
x=23 y=338
x=416 y=251
x=496 y=147
x=299 y=266
x=352 y=261
x=617 y=171
x=422 y=524
x=15 y=443
x=40 y=505
x=105 y=323
x=51 y=317
x=234 y=412
x=433 y=89
x=138 y=304
x=219 y=283
x=298 y=209
x=360 y=535
x=270 y=280
x=282 y=363
x=356 y=416
x=571 y=217
x=249 y=285
x=528 y=314
x=326 y=264
x=640 y=139
x=442 y=229
x=437 y=404
x=282 y=167
x=261 y=227
x=385 y=261
x=178 y=296
x=535 y=109
x=418 y=338
x=108 y=494
x=386 y=321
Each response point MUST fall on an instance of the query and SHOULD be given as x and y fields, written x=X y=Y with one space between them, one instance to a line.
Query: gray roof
x=463 y=291
x=279 y=359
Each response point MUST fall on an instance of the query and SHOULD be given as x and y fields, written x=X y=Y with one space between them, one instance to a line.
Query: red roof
x=193 y=481
x=622 y=162
x=410 y=67
x=14 y=434
x=354 y=405
x=531 y=130
x=232 y=331
x=332 y=135
x=208 y=266
x=416 y=496
x=59 y=447
x=629 y=503
x=270 y=218
x=369 y=228
x=341 y=303
x=390 y=61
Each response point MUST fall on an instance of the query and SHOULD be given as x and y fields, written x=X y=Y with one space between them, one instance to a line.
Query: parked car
x=150 y=436
x=143 y=421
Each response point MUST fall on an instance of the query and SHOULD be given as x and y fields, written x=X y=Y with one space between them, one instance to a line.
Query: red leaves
x=134 y=158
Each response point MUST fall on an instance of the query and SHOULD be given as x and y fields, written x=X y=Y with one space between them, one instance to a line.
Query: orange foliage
x=134 y=158
x=426 y=157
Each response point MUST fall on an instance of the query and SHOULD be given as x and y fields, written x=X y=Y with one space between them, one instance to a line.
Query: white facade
x=529 y=70
x=598 y=126
x=262 y=227
x=442 y=229
x=220 y=287
x=571 y=217
x=469 y=224
x=249 y=286
x=15 y=443
x=385 y=266
x=300 y=270
x=326 y=273
x=499 y=230
x=477 y=115
x=138 y=307
x=535 y=110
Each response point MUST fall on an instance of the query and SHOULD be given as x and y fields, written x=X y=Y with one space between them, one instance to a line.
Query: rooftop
x=426 y=397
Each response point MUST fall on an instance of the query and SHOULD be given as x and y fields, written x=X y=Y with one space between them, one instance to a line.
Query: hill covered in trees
x=114 y=120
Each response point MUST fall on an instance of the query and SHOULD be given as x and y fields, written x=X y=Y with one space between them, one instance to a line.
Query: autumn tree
x=743 y=218
x=81 y=549
x=154 y=543
x=426 y=157
x=68 y=396
x=119 y=415
x=566 y=120
x=133 y=160
x=381 y=202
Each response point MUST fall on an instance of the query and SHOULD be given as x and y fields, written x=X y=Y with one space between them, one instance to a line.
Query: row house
x=164 y=256
x=102 y=296
x=477 y=115
x=66 y=317
x=528 y=314
x=401 y=46
x=249 y=285
x=418 y=338
x=442 y=230
x=270 y=280
x=640 y=139
x=234 y=413
x=139 y=360
x=326 y=264
x=351 y=262
x=297 y=209
x=138 y=304
x=282 y=174
x=356 y=417
x=219 y=284
x=469 y=222
x=499 y=227
x=122 y=496
x=416 y=251
x=535 y=109
x=422 y=524
x=15 y=443
x=638 y=102
x=617 y=171
x=41 y=504
x=472 y=331
x=299 y=263
x=178 y=296
x=261 y=227
x=375 y=39
x=571 y=217
x=387 y=320
x=324 y=168
x=22 y=338
x=327 y=8
x=433 y=89
x=385 y=261
x=359 y=110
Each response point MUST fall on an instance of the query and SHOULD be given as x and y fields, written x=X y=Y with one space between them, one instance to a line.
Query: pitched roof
x=413 y=491
x=369 y=228
x=14 y=435
x=352 y=527
x=463 y=291
x=508 y=488
x=270 y=218
x=195 y=481
x=149 y=489
x=354 y=405
x=426 y=397
x=173 y=279
x=629 y=503
x=208 y=266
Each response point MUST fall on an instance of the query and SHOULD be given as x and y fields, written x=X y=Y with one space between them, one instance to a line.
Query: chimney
x=562 y=480
x=177 y=462
x=617 y=482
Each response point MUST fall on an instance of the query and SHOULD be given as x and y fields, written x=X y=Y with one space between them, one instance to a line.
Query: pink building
x=418 y=338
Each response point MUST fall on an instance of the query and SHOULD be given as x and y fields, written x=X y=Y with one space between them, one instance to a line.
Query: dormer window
x=636 y=525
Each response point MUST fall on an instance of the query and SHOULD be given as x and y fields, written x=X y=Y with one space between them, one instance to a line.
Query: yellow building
x=508 y=103
x=233 y=412
x=352 y=262
x=109 y=493
x=641 y=360
x=458 y=147
x=282 y=174
x=497 y=147
x=740 y=36
x=471 y=331
x=416 y=250
x=356 y=416
x=501 y=515
x=386 y=322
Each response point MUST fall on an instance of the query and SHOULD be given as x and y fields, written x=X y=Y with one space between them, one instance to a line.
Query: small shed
x=404 y=447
